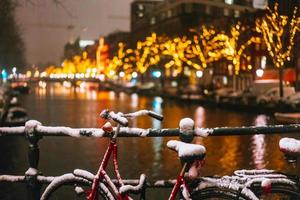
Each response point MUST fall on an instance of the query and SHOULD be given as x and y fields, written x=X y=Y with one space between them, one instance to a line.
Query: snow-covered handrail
x=139 y=132
x=48 y=179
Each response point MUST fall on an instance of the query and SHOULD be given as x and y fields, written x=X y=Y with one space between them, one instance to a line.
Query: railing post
x=33 y=186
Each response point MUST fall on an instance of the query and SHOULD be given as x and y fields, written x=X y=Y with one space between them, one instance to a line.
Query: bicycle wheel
x=69 y=179
x=279 y=191
x=217 y=193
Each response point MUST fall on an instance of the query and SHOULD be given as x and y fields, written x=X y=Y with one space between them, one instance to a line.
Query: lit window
x=141 y=7
x=153 y=20
x=236 y=13
x=141 y=15
x=226 y=12
x=230 y=2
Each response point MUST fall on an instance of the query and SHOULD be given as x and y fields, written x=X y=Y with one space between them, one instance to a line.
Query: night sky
x=44 y=24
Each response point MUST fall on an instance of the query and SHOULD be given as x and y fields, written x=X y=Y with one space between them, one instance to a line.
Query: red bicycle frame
x=101 y=174
x=179 y=181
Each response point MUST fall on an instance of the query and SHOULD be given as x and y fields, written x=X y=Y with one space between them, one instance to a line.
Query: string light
x=278 y=33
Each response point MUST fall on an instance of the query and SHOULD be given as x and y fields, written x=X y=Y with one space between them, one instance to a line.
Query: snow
x=203 y=132
x=12 y=130
x=67 y=131
x=10 y=178
x=244 y=173
x=45 y=179
x=55 y=183
x=117 y=117
x=185 y=193
x=79 y=190
x=186 y=126
x=31 y=125
x=289 y=145
x=143 y=113
x=137 y=114
x=84 y=174
x=73 y=132
x=31 y=172
x=185 y=149
x=245 y=180
x=134 y=131
x=14 y=100
x=163 y=183
x=127 y=188
x=248 y=193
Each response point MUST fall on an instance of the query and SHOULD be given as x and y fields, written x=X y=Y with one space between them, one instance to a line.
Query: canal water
x=56 y=105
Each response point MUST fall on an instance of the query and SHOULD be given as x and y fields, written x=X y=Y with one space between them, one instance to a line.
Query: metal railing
x=34 y=131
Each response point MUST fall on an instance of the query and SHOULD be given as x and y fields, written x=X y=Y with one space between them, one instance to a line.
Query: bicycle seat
x=290 y=146
x=186 y=151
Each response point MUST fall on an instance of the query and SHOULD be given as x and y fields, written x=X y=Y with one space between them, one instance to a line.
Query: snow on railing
x=40 y=130
x=34 y=131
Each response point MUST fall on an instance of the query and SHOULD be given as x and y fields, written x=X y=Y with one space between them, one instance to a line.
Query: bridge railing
x=34 y=131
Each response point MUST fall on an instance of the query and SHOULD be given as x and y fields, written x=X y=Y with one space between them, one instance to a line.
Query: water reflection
x=111 y=95
x=91 y=94
x=157 y=142
x=258 y=144
x=230 y=147
x=199 y=117
x=134 y=101
x=156 y=107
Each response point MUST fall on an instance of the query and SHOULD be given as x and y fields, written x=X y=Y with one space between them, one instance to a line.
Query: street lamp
x=199 y=74
x=259 y=73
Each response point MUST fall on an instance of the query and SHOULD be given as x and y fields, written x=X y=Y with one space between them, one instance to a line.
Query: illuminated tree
x=206 y=46
x=123 y=61
x=278 y=33
x=233 y=45
x=148 y=53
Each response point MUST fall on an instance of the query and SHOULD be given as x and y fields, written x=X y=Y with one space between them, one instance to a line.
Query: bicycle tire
x=217 y=193
x=280 y=191
x=103 y=191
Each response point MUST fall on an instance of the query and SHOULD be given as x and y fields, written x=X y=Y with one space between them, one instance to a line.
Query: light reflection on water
x=56 y=105
x=157 y=143
x=258 y=144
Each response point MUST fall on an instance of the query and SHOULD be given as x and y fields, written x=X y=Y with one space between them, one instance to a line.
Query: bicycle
x=192 y=156
x=108 y=190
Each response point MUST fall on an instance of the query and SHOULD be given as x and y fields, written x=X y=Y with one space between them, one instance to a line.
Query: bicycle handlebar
x=117 y=117
x=143 y=113
x=121 y=118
